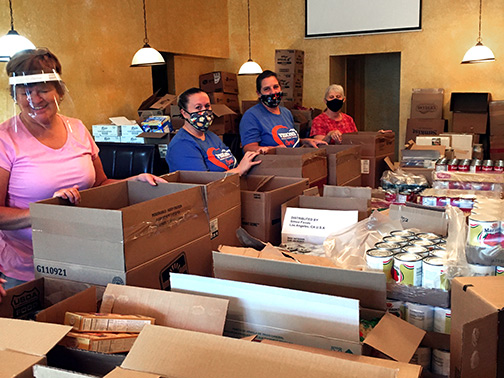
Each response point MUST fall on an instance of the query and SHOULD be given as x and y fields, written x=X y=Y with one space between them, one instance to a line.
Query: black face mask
x=272 y=100
x=334 y=104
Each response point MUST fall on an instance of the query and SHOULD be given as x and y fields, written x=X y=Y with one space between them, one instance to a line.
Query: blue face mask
x=201 y=120
x=272 y=100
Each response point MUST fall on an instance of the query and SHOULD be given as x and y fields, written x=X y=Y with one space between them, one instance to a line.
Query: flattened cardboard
x=119 y=372
x=274 y=313
x=194 y=355
x=310 y=163
x=343 y=163
x=114 y=229
x=368 y=287
x=18 y=365
x=176 y=310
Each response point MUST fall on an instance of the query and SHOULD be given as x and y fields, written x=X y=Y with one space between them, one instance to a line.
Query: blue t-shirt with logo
x=188 y=153
x=268 y=129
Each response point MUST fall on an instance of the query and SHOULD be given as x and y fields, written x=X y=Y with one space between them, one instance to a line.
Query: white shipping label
x=364 y=166
x=315 y=225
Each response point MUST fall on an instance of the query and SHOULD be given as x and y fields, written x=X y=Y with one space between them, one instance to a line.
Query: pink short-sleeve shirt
x=36 y=172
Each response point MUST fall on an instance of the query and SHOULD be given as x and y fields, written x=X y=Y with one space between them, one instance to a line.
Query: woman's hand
x=311 y=142
x=335 y=135
x=72 y=194
x=147 y=177
x=3 y=293
x=247 y=162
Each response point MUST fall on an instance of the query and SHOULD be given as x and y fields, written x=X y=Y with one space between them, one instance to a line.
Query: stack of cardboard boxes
x=497 y=130
x=289 y=66
x=426 y=117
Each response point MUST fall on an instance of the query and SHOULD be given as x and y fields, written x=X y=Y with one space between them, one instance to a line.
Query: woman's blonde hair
x=334 y=88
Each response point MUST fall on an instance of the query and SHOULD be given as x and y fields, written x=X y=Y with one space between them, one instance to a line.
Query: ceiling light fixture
x=249 y=67
x=12 y=42
x=478 y=53
x=146 y=56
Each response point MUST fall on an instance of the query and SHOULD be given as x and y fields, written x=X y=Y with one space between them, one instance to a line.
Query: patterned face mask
x=201 y=120
x=272 y=100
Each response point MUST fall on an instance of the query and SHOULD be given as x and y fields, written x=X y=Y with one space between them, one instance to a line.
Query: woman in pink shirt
x=42 y=154
x=332 y=123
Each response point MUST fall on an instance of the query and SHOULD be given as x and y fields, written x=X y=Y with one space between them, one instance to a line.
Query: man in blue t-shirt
x=267 y=125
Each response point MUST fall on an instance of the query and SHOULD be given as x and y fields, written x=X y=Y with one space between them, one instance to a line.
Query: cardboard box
x=119 y=372
x=228 y=99
x=107 y=138
x=300 y=272
x=261 y=199
x=25 y=343
x=292 y=86
x=156 y=105
x=477 y=331
x=497 y=147
x=289 y=62
x=107 y=130
x=470 y=123
x=310 y=163
x=372 y=143
x=469 y=102
x=416 y=127
x=99 y=322
x=423 y=218
x=28 y=300
x=222 y=356
x=433 y=141
x=114 y=229
x=155 y=138
x=299 y=317
x=496 y=117
x=462 y=144
x=343 y=164
x=427 y=103
x=223 y=200
x=372 y=169
x=219 y=81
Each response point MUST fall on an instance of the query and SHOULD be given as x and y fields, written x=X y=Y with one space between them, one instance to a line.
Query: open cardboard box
x=25 y=343
x=343 y=164
x=115 y=229
x=194 y=355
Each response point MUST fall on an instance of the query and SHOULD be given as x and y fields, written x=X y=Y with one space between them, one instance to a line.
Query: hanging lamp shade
x=146 y=56
x=478 y=53
x=12 y=42
x=249 y=67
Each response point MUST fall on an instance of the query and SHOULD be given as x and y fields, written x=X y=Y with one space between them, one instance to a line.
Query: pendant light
x=478 y=53
x=249 y=67
x=146 y=56
x=12 y=42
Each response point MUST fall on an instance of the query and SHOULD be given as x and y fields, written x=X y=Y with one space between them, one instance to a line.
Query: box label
x=214 y=228
x=364 y=166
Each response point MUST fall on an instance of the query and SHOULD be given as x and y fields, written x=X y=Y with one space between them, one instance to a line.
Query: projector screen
x=326 y=18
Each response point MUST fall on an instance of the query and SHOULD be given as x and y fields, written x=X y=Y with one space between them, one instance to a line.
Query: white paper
x=122 y=121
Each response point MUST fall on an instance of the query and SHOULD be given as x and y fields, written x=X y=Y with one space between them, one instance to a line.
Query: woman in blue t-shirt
x=194 y=147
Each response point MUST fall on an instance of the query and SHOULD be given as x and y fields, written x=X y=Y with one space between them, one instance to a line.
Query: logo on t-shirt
x=285 y=136
x=221 y=157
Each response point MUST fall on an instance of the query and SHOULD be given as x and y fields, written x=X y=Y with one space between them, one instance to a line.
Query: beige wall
x=96 y=40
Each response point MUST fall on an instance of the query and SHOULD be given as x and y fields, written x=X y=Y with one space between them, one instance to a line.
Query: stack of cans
x=410 y=258
x=470 y=165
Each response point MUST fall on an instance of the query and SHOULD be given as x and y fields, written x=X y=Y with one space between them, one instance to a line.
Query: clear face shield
x=39 y=97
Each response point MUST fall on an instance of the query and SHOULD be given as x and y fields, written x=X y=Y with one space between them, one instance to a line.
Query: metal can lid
x=433 y=260
x=396 y=239
x=465 y=162
x=387 y=245
x=408 y=257
x=453 y=162
x=404 y=233
x=422 y=242
x=374 y=252
x=414 y=249
x=428 y=235
x=476 y=162
x=488 y=163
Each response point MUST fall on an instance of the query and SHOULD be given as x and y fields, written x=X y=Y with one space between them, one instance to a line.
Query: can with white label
x=440 y=362
x=422 y=357
x=499 y=270
x=407 y=269
x=484 y=230
x=481 y=270
x=442 y=320
x=395 y=308
x=420 y=315
x=381 y=259
x=434 y=273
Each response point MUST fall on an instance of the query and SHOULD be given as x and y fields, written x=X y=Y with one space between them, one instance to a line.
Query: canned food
x=434 y=273
x=499 y=270
x=481 y=270
x=442 y=320
x=428 y=235
x=442 y=165
x=394 y=247
x=487 y=166
x=498 y=166
x=419 y=250
x=421 y=316
x=395 y=308
x=422 y=357
x=381 y=259
x=407 y=269
x=453 y=165
x=440 y=362
x=429 y=244
x=404 y=233
x=402 y=241
x=441 y=242
x=463 y=165
x=442 y=253
x=475 y=166
x=484 y=231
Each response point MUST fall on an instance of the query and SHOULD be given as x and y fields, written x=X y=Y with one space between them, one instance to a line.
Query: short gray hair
x=334 y=88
